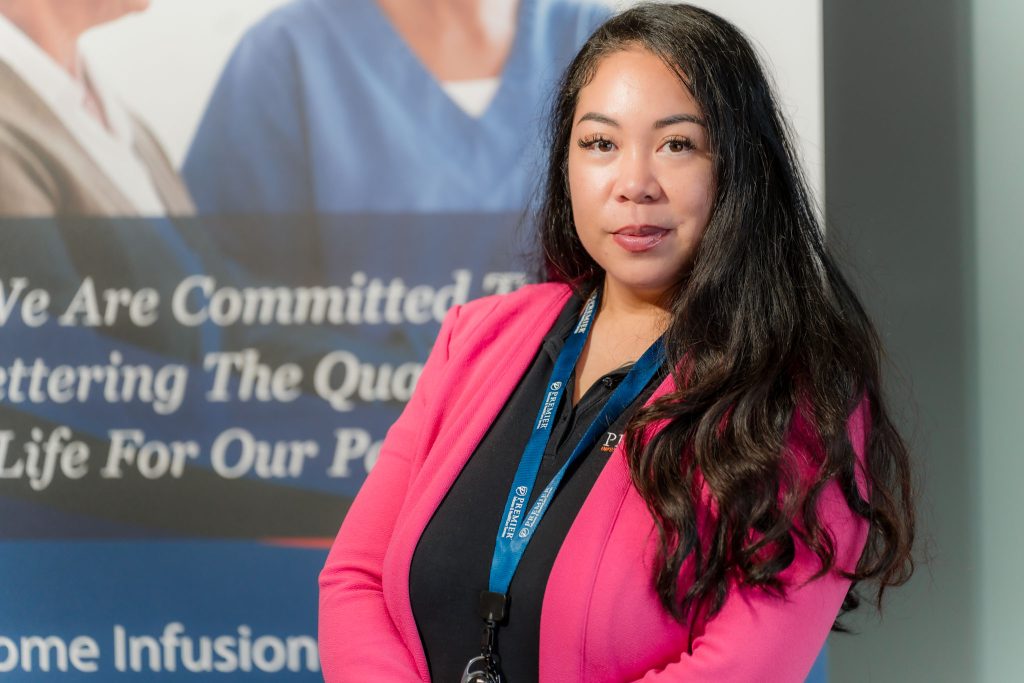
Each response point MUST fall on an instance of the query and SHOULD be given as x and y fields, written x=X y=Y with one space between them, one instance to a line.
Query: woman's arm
x=762 y=638
x=359 y=641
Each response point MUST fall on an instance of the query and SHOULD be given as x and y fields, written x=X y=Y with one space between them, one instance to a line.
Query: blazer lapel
x=486 y=365
x=168 y=184
x=570 y=587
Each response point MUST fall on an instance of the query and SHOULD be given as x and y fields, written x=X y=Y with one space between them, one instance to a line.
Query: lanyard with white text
x=516 y=529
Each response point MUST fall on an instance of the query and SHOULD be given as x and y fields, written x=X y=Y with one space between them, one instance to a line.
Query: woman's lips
x=636 y=238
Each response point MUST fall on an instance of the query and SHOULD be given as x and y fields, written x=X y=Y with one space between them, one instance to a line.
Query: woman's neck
x=644 y=313
x=55 y=33
x=456 y=39
x=624 y=327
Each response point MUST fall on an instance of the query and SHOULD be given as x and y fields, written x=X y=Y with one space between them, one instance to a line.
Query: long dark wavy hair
x=766 y=334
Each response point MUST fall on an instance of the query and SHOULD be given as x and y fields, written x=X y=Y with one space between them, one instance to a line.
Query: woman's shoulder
x=505 y=317
x=526 y=299
x=492 y=329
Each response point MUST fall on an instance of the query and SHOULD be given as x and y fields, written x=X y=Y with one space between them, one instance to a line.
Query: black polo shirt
x=452 y=561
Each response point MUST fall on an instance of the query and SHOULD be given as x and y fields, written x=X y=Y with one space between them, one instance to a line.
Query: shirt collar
x=51 y=82
x=54 y=85
x=564 y=324
x=113 y=148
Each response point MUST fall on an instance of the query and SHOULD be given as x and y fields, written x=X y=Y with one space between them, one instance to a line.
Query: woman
x=758 y=477
x=67 y=147
x=371 y=106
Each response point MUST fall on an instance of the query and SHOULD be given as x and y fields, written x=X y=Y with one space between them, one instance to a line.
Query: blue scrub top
x=323 y=108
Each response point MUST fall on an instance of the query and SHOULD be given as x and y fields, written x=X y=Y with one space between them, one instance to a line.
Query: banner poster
x=190 y=406
x=209 y=317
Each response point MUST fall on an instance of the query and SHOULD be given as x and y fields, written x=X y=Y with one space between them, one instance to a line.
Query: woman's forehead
x=635 y=83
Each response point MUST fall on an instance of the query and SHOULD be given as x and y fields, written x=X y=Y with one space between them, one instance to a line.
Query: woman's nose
x=637 y=180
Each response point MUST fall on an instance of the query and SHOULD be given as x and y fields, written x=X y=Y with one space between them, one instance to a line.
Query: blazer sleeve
x=760 y=637
x=358 y=639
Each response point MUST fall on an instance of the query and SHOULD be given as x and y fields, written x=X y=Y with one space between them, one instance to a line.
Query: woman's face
x=641 y=175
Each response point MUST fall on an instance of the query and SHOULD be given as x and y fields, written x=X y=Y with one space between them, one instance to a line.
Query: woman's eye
x=597 y=143
x=679 y=145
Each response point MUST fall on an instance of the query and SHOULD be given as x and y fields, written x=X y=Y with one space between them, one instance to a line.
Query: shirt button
x=608 y=382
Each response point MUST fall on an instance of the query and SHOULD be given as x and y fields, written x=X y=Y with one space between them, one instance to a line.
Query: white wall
x=164 y=62
x=999 y=215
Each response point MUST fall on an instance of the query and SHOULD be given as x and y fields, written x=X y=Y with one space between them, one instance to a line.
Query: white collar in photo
x=473 y=95
x=112 y=150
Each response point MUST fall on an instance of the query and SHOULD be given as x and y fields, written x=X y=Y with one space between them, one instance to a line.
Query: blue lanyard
x=516 y=528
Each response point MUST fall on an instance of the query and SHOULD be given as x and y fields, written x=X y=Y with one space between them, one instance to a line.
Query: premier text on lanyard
x=516 y=529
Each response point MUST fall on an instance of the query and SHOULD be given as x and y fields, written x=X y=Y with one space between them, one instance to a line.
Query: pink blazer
x=601 y=620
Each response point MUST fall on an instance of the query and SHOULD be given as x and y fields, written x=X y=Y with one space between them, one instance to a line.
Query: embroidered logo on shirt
x=609 y=441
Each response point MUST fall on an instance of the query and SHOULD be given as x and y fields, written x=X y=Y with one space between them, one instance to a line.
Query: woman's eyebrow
x=679 y=118
x=660 y=123
x=599 y=118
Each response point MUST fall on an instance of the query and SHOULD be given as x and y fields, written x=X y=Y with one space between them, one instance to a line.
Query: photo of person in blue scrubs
x=369 y=106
